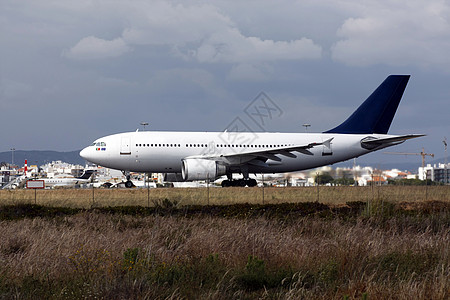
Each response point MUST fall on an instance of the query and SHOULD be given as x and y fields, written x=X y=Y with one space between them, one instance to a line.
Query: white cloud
x=396 y=33
x=196 y=31
x=93 y=48
x=231 y=46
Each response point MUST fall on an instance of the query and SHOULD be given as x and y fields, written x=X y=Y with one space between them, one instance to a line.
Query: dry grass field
x=385 y=243
x=86 y=198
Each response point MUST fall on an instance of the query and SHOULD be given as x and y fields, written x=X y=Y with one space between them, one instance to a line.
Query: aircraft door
x=125 y=146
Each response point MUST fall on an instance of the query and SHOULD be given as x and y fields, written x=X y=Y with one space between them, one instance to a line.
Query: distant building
x=4 y=176
x=396 y=174
x=438 y=173
x=362 y=175
x=59 y=168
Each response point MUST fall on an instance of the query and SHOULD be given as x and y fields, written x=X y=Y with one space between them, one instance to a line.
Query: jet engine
x=201 y=169
x=173 y=177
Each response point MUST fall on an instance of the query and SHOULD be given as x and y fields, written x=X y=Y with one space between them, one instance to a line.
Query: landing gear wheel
x=129 y=184
x=241 y=182
x=226 y=183
x=251 y=182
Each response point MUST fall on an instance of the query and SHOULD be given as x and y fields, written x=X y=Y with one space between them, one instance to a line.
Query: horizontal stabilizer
x=371 y=143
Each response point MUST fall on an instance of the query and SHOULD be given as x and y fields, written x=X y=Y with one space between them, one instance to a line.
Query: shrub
x=256 y=276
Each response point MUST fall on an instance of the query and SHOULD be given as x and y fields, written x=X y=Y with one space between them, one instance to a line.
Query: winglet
x=376 y=113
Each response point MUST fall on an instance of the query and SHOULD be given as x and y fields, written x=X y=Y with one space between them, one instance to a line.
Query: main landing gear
x=239 y=182
x=246 y=181
x=128 y=183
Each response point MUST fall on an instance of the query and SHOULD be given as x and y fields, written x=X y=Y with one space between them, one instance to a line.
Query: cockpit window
x=99 y=144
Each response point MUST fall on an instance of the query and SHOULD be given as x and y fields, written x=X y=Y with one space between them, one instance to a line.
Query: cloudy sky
x=72 y=71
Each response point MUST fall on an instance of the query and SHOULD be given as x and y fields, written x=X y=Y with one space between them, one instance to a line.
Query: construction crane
x=423 y=154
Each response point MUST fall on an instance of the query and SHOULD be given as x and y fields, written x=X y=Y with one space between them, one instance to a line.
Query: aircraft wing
x=260 y=156
x=372 y=143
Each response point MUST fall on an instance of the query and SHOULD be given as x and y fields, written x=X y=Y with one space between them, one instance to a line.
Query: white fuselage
x=63 y=182
x=209 y=155
x=163 y=152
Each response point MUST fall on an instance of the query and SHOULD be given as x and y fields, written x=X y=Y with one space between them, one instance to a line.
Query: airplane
x=190 y=156
x=68 y=181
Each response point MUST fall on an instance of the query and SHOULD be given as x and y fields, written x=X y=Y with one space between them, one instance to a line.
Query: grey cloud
x=106 y=65
x=250 y=72
x=94 y=48
x=188 y=82
x=413 y=33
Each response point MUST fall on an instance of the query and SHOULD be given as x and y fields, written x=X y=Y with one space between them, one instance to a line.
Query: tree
x=343 y=181
x=323 y=178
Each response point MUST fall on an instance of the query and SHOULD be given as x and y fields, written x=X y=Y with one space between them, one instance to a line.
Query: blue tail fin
x=376 y=113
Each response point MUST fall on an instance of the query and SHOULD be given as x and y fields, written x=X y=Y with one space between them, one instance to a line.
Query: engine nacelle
x=173 y=177
x=201 y=169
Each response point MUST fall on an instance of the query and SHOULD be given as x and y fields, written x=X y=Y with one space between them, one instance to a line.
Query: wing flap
x=288 y=154
x=270 y=156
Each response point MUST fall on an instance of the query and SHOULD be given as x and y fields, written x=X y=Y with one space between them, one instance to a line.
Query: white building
x=59 y=168
x=439 y=172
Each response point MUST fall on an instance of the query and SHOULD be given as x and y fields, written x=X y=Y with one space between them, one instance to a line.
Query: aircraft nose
x=86 y=153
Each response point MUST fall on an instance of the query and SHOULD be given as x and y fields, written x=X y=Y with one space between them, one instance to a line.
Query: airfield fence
x=334 y=195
